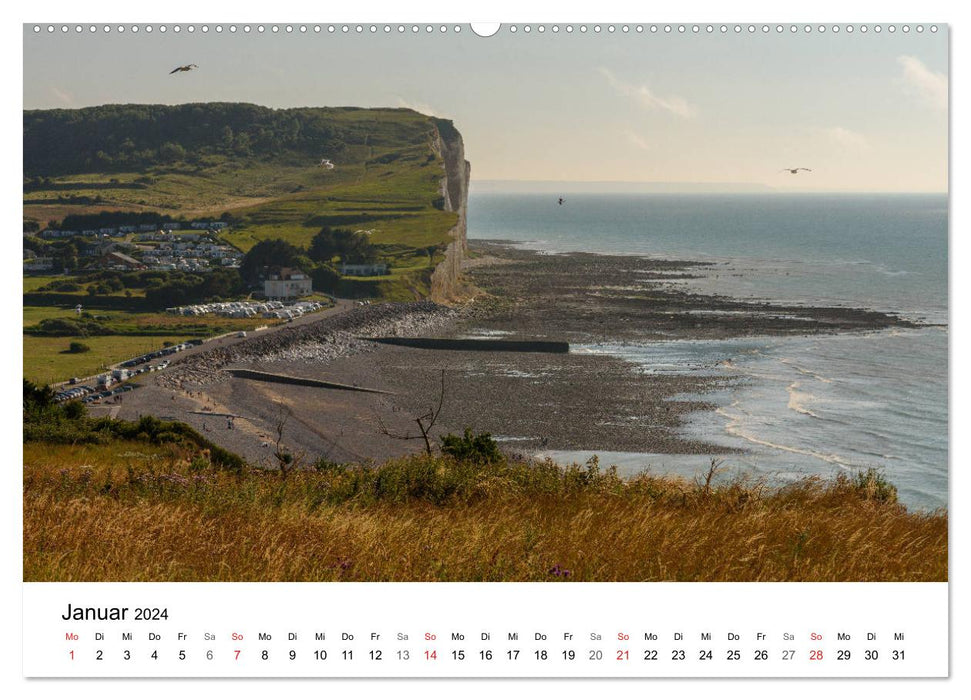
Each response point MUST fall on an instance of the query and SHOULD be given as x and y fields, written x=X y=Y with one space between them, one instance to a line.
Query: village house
x=119 y=261
x=208 y=225
x=152 y=235
x=286 y=283
x=97 y=248
x=364 y=269
x=54 y=233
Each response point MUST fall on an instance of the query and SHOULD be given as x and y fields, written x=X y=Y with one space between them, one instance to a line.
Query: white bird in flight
x=795 y=171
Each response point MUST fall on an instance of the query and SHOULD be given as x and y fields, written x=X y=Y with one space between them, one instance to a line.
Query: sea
x=802 y=405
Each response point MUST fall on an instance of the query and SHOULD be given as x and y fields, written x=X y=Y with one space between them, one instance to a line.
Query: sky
x=866 y=112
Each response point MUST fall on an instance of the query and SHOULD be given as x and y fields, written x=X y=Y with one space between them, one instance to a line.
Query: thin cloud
x=919 y=80
x=66 y=98
x=647 y=98
x=419 y=107
x=845 y=138
x=636 y=140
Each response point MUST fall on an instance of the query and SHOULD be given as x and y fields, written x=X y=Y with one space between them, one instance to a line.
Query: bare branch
x=284 y=459
x=425 y=422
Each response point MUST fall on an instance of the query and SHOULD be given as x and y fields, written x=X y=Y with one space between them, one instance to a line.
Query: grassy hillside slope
x=260 y=166
x=137 y=510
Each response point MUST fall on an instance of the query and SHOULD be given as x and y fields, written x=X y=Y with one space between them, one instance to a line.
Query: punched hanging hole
x=485 y=29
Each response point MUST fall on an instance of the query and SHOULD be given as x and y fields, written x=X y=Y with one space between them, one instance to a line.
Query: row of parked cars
x=108 y=393
x=87 y=394
x=171 y=350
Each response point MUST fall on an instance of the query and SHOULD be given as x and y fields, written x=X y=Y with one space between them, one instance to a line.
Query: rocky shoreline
x=531 y=401
x=586 y=297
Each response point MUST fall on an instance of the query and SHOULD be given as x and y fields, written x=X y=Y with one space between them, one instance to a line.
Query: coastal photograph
x=569 y=302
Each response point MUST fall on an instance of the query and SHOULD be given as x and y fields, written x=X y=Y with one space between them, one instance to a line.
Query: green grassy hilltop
x=269 y=173
x=267 y=169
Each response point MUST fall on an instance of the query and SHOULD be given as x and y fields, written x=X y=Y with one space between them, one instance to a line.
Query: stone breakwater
x=320 y=341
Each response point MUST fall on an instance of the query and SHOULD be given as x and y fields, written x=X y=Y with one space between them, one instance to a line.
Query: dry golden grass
x=131 y=512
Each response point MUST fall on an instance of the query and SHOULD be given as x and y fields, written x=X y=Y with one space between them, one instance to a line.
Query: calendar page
x=541 y=349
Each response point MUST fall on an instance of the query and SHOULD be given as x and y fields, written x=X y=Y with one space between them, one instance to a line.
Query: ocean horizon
x=798 y=405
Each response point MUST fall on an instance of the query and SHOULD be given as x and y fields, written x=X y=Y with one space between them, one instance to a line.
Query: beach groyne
x=476 y=345
x=331 y=337
x=276 y=378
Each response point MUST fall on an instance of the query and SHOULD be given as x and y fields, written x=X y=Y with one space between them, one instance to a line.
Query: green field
x=33 y=283
x=46 y=361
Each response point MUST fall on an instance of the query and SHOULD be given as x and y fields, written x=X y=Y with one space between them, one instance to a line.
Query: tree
x=359 y=250
x=324 y=247
x=220 y=283
x=241 y=144
x=273 y=251
x=325 y=279
x=74 y=410
x=349 y=246
x=37 y=396
x=166 y=295
x=171 y=152
x=425 y=422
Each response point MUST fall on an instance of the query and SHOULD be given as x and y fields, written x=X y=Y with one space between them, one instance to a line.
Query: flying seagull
x=183 y=68
x=795 y=171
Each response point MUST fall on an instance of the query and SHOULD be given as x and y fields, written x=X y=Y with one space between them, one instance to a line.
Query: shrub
x=478 y=448
x=68 y=326
x=61 y=286
x=46 y=421
x=74 y=410
x=78 y=347
x=872 y=485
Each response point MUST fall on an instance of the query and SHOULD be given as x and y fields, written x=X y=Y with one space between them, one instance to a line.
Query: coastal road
x=227 y=339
